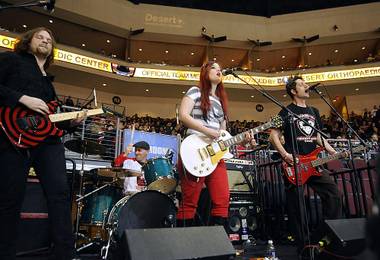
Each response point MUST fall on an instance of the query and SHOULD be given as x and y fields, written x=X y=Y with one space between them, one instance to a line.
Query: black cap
x=142 y=144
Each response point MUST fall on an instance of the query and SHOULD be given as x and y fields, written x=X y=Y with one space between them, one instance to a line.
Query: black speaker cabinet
x=242 y=220
x=33 y=231
x=344 y=237
x=176 y=243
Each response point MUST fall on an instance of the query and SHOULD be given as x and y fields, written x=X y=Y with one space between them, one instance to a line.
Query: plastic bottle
x=271 y=251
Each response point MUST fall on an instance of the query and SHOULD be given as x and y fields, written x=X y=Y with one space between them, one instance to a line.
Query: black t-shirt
x=305 y=135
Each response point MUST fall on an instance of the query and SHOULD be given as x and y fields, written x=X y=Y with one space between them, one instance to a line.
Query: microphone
x=228 y=71
x=48 y=5
x=312 y=87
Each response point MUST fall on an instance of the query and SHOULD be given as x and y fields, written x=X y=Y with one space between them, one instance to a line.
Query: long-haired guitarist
x=307 y=141
x=203 y=111
x=24 y=82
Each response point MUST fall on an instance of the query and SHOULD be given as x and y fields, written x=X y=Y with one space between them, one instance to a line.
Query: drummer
x=133 y=184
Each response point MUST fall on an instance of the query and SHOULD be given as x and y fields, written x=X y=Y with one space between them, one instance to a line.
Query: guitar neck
x=72 y=115
x=321 y=161
x=241 y=137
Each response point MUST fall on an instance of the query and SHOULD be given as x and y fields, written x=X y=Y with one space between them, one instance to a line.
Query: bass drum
x=147 y=209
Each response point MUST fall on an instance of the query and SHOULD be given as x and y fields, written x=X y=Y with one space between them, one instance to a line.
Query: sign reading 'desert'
x=162 y=20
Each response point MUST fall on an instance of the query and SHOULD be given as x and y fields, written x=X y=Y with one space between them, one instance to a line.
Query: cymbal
x=117 y=172
x=80 y=146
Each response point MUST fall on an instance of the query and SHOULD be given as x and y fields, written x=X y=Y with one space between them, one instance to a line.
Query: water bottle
x=271 y=251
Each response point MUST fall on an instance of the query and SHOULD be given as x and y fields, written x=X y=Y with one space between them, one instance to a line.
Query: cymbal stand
x=79 y=195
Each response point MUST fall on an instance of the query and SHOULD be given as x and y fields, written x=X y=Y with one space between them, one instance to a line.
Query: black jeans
x=49 y=163
x=327 y=190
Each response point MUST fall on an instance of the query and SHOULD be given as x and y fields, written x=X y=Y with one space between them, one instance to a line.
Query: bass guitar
x=308 y=165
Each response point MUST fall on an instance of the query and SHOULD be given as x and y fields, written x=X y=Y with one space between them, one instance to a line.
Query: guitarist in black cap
x=24 y=82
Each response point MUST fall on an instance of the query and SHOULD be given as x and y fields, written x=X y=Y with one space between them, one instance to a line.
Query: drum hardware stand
x=94 y=191
x=81 y=173
x=105 y=249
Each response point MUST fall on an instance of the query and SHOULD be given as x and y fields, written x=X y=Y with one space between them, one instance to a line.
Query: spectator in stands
x=69 y=102
x=373 y=111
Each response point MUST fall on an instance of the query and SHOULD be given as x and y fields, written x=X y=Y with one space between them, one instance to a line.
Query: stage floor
x=284 y=252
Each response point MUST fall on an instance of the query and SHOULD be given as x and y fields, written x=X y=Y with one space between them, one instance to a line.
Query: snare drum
x=159 y=175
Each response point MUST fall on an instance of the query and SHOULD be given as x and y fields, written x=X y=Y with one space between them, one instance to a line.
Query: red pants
x=217 y=184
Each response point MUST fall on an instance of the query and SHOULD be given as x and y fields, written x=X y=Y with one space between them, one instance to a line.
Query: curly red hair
x=205 y=88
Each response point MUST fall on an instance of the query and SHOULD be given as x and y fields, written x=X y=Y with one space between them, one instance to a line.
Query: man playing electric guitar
x=307 y=140
x=25 y=83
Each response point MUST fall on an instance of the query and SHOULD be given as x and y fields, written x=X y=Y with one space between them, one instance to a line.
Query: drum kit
x=103 y=211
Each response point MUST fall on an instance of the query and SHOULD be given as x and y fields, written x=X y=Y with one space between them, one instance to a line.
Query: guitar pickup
x=203 y=153
x=210 y=150
x=222 y=146
x=289 y=171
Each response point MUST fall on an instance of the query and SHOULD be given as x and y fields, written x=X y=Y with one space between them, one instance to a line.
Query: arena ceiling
x=154 y=48
x=266 y=8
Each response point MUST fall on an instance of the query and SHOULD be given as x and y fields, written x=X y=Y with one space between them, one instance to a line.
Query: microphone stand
x=350 y=131
x=291 y=117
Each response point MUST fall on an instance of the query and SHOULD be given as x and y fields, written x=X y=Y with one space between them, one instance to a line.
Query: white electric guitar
x=200 y=154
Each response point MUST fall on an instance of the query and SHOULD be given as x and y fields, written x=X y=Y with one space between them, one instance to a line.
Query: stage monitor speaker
x=177 y=243
x=344 y=237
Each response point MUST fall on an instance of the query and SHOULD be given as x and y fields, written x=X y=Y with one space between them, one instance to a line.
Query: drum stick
x=132 y=135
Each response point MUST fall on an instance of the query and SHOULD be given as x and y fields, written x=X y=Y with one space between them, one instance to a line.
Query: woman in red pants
x=204 y=110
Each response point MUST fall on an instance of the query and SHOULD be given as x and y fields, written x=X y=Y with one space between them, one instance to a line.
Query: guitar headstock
x=276 y=121
x=112 y=112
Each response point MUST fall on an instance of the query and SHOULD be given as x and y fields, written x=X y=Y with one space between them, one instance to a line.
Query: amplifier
x=239 y=165
x=242 y=220
x=243 y=197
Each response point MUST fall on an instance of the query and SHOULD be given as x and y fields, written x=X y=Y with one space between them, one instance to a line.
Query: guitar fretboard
x=72 y=115
x=321 y=161
x=241 y=137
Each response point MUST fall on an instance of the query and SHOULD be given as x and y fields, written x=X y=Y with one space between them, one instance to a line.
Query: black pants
x=49 y=163
x=327 y=190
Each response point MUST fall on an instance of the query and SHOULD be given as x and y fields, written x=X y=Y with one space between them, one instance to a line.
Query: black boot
x=185 y=222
